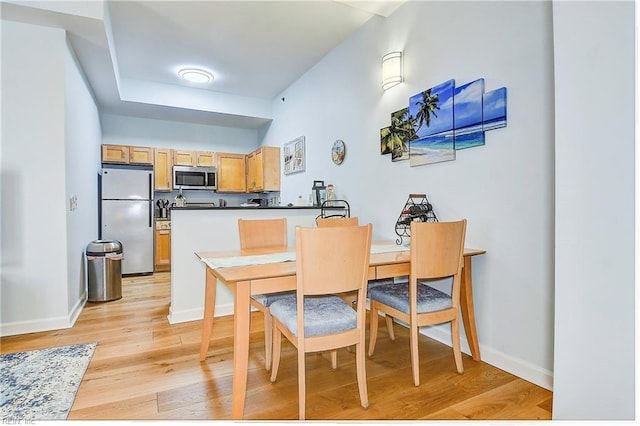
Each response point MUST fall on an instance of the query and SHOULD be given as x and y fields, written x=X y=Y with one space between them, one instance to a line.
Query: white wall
x=594 y=366
x=82 y=164
x=121 y=130
x=504 y=189
x=50 y=152
x=34 y=242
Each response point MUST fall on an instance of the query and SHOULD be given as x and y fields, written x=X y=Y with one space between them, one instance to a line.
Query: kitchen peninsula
x=197 y=229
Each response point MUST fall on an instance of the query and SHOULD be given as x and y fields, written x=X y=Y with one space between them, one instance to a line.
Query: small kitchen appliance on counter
x=319 y=192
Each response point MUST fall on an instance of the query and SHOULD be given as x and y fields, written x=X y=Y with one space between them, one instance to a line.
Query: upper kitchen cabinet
x=263 y=169
x=184 y=158
x=140 y=155
x=205 y=159
x=121 y=154
x=231 y=172
x=194 y=158
x=162 y=169
x=116 y=154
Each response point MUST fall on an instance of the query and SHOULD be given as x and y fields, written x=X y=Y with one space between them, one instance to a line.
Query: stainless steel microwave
x=187 y=177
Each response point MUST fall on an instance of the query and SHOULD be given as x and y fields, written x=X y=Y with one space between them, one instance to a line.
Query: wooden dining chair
x=353 y=221
x=329 y=261
x=436 y=257
x=323 y=222
x=264 y=233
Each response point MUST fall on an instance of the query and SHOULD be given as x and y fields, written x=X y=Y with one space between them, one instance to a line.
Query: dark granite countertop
x=200 y=207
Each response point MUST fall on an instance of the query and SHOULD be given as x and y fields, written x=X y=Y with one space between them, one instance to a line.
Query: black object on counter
x=320 y=192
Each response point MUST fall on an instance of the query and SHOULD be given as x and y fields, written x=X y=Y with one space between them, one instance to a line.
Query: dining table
x=270 y=270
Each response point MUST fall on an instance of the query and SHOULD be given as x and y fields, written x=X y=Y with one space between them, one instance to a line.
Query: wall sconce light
x=391 y=70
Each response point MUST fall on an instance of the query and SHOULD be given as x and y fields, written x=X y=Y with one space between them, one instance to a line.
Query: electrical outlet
x=73 y=203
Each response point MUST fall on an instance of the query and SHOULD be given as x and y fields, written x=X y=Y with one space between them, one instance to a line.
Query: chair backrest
x=437 y=248
x=325 y=222
x=332 y=260
x=262 y=233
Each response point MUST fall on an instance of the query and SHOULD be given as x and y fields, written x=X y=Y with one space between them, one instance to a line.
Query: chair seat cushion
x=269 y=298
x=375 y=283
x=322 y=315
x=396 y=295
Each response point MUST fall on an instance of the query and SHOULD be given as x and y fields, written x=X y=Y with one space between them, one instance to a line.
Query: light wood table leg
x=209 y=306
x=240 y=348
x=468 y=314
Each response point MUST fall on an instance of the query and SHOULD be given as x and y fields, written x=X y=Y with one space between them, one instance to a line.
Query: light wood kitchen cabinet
x=163 y=246
x=263 y=169
x=162 y=169
x=184 y=158
x=116 y=154
x=231 y=172
x=140 y=155
x=252 y=171
x=205 y=159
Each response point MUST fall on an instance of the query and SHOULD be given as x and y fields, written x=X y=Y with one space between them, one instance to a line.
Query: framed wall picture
x=293 y=155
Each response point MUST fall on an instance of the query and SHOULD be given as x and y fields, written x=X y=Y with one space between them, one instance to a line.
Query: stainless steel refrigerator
x=126 y=215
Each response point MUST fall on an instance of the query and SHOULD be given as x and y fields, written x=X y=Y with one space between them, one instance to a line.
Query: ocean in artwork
x=468 y=115
x=495 y=109
x=495 y=123
x=470 y=136
x=432 y=149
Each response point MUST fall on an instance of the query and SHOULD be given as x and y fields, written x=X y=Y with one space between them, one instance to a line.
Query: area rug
x=42 y=384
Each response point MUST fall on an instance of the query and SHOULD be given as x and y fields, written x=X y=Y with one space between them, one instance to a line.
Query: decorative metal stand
x=416 y=209
x=334 y=208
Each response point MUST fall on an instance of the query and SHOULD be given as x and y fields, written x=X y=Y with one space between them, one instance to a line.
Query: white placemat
x=289 y=256
x=256 y=259
x=388 y=248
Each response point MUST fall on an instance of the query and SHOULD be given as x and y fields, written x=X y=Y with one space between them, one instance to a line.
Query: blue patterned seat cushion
x=396 y=295
x=269 y=298
x=322 y=315
x=375 y=283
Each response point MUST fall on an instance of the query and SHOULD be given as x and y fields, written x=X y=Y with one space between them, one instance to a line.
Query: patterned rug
x=42 y=384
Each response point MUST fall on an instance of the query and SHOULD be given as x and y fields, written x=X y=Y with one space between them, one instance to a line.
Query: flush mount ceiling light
x=195 y=75
x=391 y=70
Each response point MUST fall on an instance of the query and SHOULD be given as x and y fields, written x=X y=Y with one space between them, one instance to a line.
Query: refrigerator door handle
x=150 y=186
x=150 y=214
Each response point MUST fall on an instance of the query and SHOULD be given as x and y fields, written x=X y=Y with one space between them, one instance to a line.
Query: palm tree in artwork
x=401 y=131
x=427 y=106
x=386 y=144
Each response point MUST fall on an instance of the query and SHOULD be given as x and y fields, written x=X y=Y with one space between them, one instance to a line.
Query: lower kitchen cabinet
x=163 y=246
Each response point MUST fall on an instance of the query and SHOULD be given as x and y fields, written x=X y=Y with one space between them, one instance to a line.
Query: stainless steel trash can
x=104 y=270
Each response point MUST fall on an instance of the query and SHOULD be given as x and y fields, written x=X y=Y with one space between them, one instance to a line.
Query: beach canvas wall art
x=467 y=115
x=442 y=120
x=400 y=133
x=385 y=140
x=432 y=116
x=495 y=109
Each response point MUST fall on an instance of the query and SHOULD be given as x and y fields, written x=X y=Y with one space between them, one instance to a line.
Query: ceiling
x=131 y=51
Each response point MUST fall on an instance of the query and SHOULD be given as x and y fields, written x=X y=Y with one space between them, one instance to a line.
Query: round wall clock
x=338 y=151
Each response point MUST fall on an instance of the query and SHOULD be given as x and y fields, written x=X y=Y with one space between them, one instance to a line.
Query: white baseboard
x=176 y=317
x=77 y=309
x=515 y=366
x=44 y=324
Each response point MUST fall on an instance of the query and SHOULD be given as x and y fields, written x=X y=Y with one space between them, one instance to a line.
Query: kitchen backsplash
x=197 y=196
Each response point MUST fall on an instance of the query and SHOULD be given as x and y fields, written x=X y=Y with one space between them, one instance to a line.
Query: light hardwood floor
x=144 y=368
